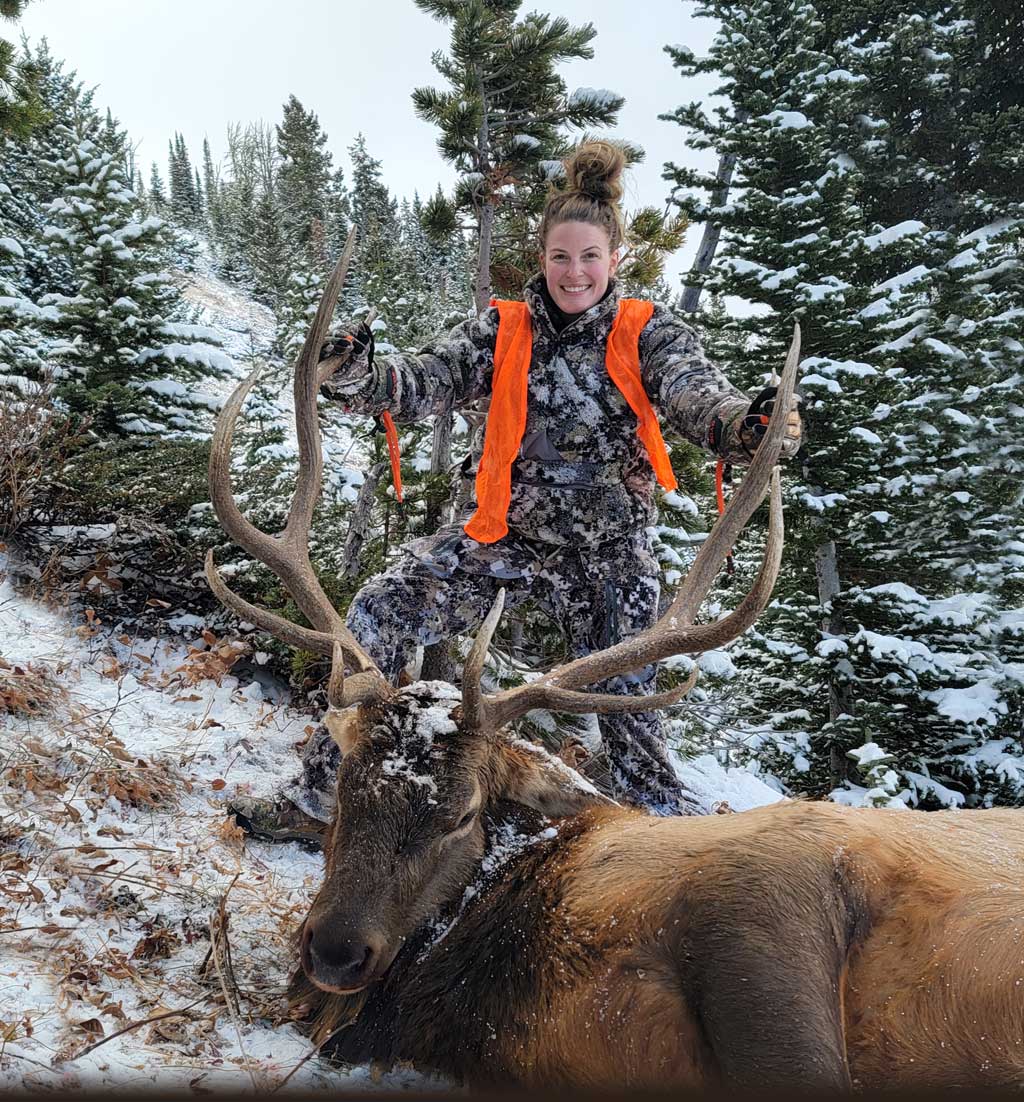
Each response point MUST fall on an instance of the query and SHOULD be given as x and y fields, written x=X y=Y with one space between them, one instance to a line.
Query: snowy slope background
x=118 y=755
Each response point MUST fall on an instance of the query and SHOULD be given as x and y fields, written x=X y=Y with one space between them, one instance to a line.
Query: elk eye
x=464 y=821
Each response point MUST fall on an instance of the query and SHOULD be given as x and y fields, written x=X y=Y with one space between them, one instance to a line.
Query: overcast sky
x=197 y=65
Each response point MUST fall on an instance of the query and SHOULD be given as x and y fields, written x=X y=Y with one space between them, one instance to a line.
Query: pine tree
x=502 y=120
x=870 y=223
x=20 y=105
x=268 y=251
x=377 y=272
x=297 y=308
x=157 y=197
x=20 y=340
x=130 y=358
x=212 y=195
x=30 y=166
x=185 y=202
x=304 y=178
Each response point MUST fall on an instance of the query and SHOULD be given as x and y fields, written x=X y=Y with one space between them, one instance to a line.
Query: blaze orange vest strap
x=506 y=422
x=506 y=418
x=622 y=359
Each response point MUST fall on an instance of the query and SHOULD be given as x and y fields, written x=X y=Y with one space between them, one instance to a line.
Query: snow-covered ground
x=246 y=326
x=115 y=855
x=117 y=755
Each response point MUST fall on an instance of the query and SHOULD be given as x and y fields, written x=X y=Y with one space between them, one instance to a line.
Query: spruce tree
x=377 y=272
x=872 y=224
x=132 y=355
x=30 y=166
x=212 y=195
x=157 y=197
x=185 y=202
x=237 y=204
x=304 y=178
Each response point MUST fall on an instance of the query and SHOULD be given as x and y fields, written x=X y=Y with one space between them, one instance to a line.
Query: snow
x=245 y=327
x=894 y=233
x=992 y=229
x=899 y=283
x=715 y=784
x=199 y=355
x=868 y=754
x=787 y=120
x=113 y=810
x=978 y=703
x=839 y=76
x=825 y=365
x=594 y=97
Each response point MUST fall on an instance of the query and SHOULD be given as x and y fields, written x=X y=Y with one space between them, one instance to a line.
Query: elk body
x=487 y=914
x=798 y=944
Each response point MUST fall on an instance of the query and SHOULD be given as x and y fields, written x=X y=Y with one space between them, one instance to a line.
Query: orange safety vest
x=506 y=419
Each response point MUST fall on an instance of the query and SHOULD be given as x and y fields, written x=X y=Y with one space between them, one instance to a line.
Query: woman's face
x=577 y=264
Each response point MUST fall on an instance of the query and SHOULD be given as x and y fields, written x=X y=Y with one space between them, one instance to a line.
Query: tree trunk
x=439 y=497
x=482 y=283
x=360 y=523
x=712 y=229
x=437 y=661
x=839 y=702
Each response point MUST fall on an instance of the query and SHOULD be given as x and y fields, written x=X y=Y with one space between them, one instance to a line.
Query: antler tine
x=701 y=575
x=675 y=633
x=474 y=707
x=287 y=554
x=309 y=482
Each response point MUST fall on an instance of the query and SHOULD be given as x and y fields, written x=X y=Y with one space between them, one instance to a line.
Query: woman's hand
x=754 y=424
x=355 y=346
x=354 y=352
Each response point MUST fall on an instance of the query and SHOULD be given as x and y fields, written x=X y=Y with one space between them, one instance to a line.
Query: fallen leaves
x=211 y=661
x=159 y=944
x=28 y=690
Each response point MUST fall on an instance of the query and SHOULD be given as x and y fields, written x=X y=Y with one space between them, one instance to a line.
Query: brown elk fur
x=798 y=943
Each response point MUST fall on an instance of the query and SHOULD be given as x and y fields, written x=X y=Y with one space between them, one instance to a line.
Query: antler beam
x=287 y=554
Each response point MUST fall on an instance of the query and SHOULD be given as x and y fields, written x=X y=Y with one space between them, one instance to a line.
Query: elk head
x=423 y=766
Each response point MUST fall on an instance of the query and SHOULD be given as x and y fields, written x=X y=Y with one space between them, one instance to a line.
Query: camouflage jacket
x=583 y=474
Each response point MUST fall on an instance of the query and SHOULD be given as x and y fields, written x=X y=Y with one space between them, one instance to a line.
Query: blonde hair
x=591 y=192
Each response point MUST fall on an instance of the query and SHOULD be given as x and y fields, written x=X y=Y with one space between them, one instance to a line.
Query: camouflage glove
x=754 y=424
x=358 y=365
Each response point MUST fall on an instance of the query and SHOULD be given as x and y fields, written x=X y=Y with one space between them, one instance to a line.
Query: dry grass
x=34 y=444
x=29 y=690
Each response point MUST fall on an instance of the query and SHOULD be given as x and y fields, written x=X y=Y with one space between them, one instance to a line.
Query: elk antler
x=287 y=554
x=675 y=632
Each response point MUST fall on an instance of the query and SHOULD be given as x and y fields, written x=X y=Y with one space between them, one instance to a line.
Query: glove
x=754 y=424
x=360 y=342
x=357 y=366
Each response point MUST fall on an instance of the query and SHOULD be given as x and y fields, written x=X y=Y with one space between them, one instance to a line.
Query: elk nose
x=339 y=962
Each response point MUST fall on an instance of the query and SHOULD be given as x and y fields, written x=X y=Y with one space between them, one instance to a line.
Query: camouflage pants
x=445 y=584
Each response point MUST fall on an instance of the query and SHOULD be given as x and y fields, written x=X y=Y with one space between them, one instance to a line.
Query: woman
x=565 y=487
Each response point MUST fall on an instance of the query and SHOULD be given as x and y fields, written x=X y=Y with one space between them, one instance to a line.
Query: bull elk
x=488 y=915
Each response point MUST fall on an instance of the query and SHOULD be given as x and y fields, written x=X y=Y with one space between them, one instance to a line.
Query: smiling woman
x=582 y=229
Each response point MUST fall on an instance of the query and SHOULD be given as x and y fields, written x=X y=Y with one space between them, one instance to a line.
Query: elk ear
x=531 y=776
x=344 y=726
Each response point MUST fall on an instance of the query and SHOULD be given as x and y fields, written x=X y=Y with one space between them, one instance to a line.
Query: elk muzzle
x=343 y=961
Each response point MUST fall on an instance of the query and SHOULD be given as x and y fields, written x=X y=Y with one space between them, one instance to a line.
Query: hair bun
x=595 y=170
